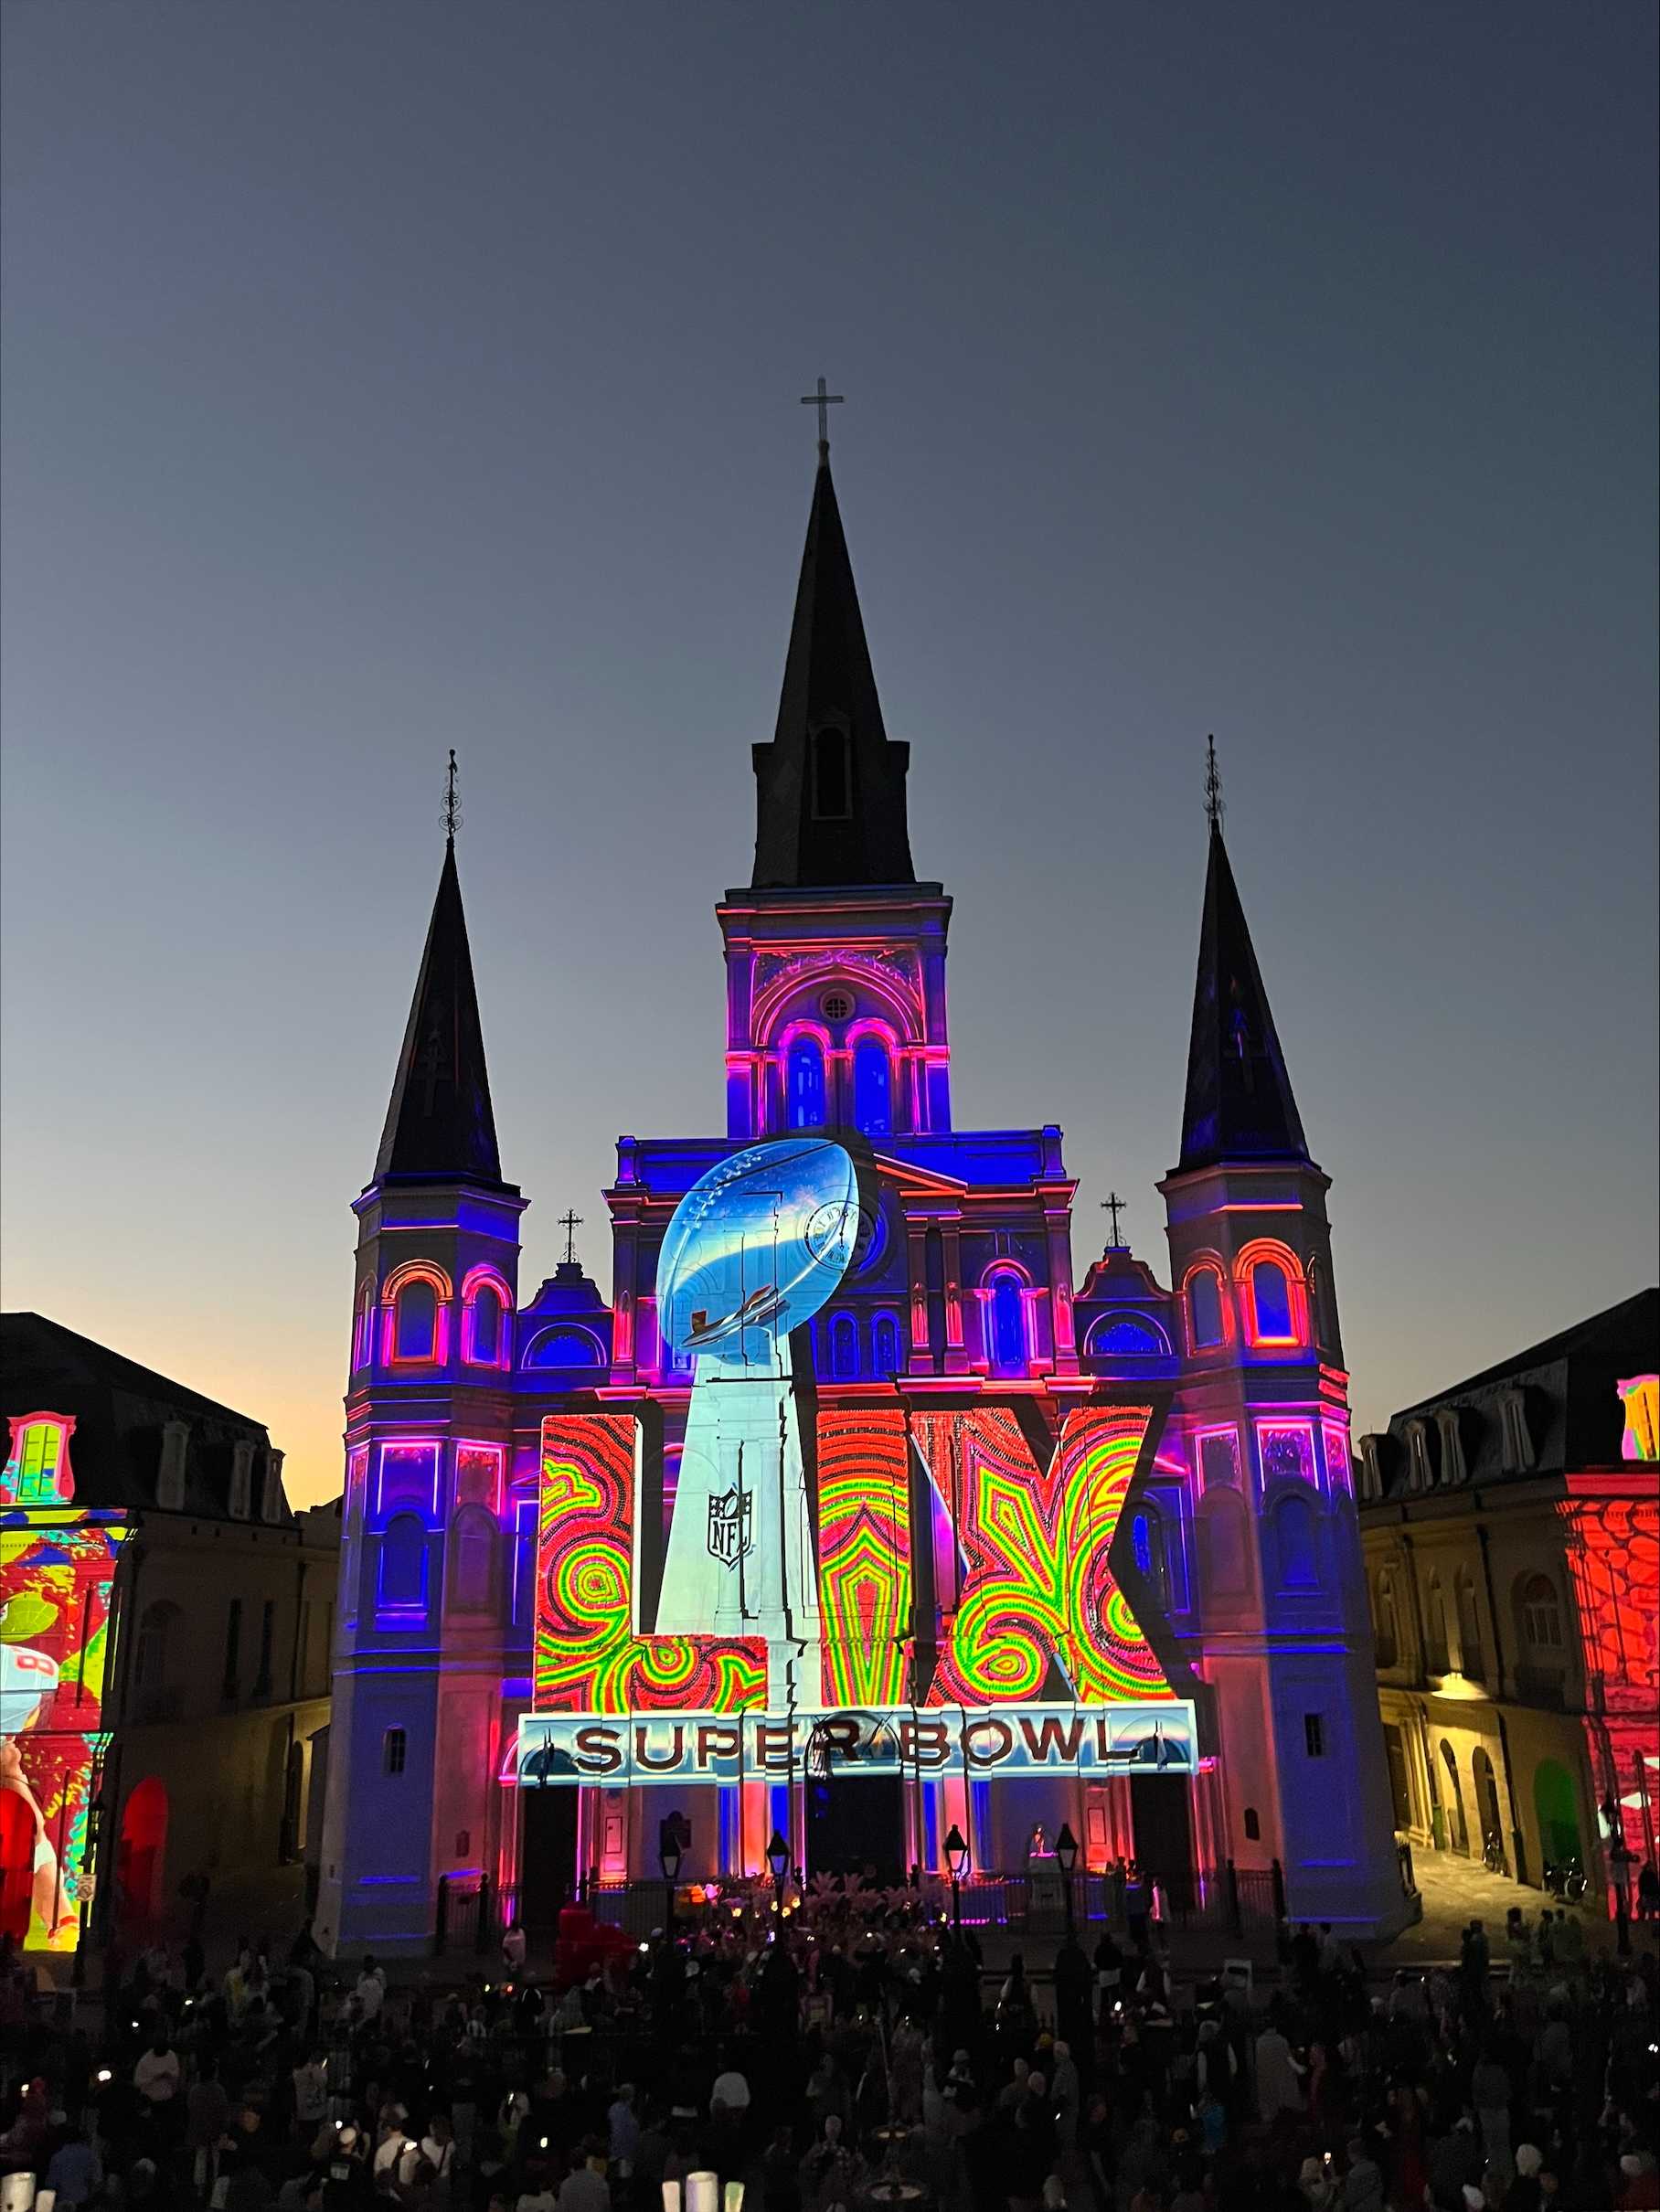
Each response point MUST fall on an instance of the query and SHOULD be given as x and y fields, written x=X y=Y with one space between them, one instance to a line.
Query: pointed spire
x=830 y=785
x=1238 y=1105
x=440 y=1126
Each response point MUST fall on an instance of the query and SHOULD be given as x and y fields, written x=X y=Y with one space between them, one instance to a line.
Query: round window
x=836 y=1006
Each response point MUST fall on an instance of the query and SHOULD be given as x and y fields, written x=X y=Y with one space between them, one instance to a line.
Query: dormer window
x=832 y=776
x=1421 y=1474
x=1452 y=1468
x=170 y=1476
x=270 y=1493
x=1371 y=1466
x=1519 y=1439
x=241 y=1480
x=37 y=1466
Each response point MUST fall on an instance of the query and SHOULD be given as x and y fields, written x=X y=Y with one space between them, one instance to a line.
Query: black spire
x=830 y=786
x=1240 y=1105
x=439 y=1126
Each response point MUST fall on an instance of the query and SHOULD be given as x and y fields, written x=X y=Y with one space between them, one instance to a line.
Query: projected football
x=756 y=1247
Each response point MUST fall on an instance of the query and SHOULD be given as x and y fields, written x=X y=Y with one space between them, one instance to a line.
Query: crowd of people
x=860 y=2055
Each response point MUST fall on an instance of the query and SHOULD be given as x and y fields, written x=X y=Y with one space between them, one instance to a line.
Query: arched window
x=1541 y=1616
x=872 y=1088
x=1435 y=1629
x=37 y=1466
x=1460 y=1824
x=415 y=1321
x=844 y=1348
x=154 y=1649
x=1318 y=1319
x=362 y=1333
x=486 y=1326
x=1472 y=1659
x=394 y=1751
x=806 y=1104
x=1294 y=1544
x=831 y=783
x=473 y=1560
x=564 y=1348
x=1006 y=1327
x=403 y=1561
x=1271 y=1298
x=1148 y=1549
x=1386 y=1621
x=885 y=1345
x=1205 y=1308
x=1127 y=1335
x=141 y=1853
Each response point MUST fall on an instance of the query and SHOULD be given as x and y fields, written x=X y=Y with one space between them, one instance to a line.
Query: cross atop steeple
x=452 y=802
x=1113 y=1204
x=1214 y=808
x=823 y=400
x=571 y=1223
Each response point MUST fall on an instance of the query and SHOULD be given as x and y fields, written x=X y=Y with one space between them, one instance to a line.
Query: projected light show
x=846 y=1520
x=795 y=1610
x=56 y=1579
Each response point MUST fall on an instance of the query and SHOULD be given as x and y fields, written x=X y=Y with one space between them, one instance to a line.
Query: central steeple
x=830 y=788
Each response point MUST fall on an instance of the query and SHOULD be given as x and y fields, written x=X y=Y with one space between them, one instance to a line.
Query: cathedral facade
x=1007 y=1552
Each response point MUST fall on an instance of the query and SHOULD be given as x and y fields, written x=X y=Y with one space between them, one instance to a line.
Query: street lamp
x=778 y=1859
x=672 y=1838
x=956 y=1858
x=1066 y=1858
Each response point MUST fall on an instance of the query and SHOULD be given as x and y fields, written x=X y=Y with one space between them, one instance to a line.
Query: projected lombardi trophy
x=755 y=1248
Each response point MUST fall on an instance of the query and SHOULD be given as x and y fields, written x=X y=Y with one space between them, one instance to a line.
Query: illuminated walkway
x=1456 y=1892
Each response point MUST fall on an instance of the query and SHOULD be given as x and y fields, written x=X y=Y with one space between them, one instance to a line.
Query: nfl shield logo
x=729 y=1527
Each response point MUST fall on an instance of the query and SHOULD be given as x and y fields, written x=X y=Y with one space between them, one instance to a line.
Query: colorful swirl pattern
x=1038 y=1592
x=587 y=1659
x=863 y=1556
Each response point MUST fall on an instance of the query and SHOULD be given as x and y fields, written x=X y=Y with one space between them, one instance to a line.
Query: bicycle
x=1493 y=1854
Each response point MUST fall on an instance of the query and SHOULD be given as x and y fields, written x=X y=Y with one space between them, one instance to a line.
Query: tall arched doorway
x=141 y=1854
x=16 y=1865
x=855 y=1806
x=1458 y=1824
x=1558 y=1815
x=1487 y=1804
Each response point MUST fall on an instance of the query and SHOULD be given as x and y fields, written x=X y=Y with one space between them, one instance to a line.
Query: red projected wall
x=57 y=1575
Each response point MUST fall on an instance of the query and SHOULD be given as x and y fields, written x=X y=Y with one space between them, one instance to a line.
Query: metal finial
x=1213 y=787
x=451 y=801
x=1113 y=1204
x=823 y=400
x=571 y=1223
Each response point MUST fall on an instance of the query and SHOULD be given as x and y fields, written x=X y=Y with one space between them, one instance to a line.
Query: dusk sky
x=383 y=378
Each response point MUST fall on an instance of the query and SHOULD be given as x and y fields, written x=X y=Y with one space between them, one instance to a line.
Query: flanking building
x=1078 y=1554
x=1512 y=1534
x=166 y=1621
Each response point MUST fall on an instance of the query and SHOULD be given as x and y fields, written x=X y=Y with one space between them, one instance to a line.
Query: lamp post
x=778 y=1860
x=1066 y=1858
x=956 y=1858
x=672 y=1838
